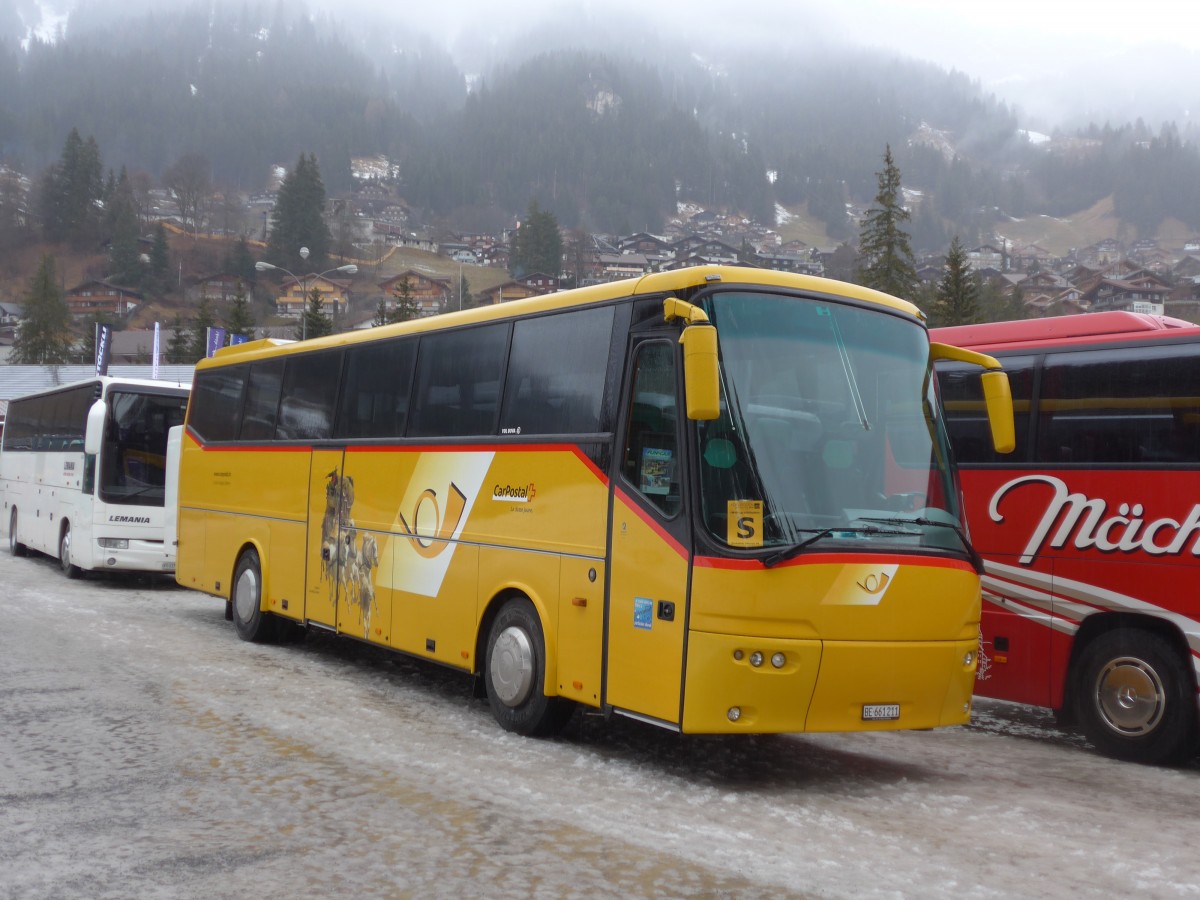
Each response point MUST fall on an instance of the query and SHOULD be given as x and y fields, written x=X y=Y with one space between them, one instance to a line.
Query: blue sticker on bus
x=643 y=613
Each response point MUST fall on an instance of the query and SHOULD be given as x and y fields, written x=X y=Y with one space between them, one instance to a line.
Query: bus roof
x=680 y=280
x=1058 y=330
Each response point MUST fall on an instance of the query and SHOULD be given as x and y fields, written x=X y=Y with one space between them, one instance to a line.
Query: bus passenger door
x=648 y=545
x=329 y=499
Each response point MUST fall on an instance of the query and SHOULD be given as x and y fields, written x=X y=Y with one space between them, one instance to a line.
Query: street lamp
x=263 y=266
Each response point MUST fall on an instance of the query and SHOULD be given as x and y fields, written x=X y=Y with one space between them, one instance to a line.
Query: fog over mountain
x=1058 y=64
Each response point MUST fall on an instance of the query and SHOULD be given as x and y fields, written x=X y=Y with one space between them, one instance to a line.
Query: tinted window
x=310 y=384
x=216 y=403
x=378 y=379
x=1134 y=406
x=458 y=382
x=966 y=413
x=556 y=373
x=651 y=462
x=262 y=401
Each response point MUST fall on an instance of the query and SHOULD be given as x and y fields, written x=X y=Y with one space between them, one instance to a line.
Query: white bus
x=83 y=473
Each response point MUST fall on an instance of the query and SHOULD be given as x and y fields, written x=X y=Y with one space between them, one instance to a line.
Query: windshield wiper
x=795 y=549
x=972 y=553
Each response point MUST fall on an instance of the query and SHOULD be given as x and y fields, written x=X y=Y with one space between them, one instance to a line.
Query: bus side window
x=1121 y=406
x=651 y=458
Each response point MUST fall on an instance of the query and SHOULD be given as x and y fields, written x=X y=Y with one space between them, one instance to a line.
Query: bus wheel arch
x=245 y=595
x=64 y=551
x=15 y=547
x=514 y=666
x=1133 y=690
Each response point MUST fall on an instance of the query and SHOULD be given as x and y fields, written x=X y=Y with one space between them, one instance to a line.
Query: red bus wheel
x=1136 y=698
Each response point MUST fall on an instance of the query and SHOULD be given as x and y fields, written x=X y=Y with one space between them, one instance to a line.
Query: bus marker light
x=578 y=685
x=968 y=658
x=735 y=713
x=738 y=655
x=777 y=660
x=756 y=659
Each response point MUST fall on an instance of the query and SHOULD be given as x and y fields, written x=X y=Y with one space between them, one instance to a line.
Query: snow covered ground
x=145 y=751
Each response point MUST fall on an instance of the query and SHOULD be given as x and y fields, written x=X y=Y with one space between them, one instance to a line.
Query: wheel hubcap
x=245 y=595
x=65 y=551
x=512 y=666
x=1130 y=696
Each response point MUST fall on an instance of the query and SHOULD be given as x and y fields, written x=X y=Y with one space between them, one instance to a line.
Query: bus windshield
x=133 y=462
x=830 y=434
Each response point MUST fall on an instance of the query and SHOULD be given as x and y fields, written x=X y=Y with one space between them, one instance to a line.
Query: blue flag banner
x=216 y=340
x=235 y=339
x=103 y=348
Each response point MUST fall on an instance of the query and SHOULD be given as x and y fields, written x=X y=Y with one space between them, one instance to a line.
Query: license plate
x=878 y=711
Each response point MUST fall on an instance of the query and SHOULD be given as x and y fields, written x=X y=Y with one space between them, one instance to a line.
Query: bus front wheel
x=514 y=673
x=251 y=622
x=1136 y=699
x=64 y=553
x=15 y=547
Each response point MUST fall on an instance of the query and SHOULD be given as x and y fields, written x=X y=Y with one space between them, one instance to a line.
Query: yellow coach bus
x=716 y=500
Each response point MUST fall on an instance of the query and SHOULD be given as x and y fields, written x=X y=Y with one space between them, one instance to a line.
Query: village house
x=985 y=257
x=294 y=292
x=503 y=293
x=430 y=294
x=221 y=287
x=100 y=297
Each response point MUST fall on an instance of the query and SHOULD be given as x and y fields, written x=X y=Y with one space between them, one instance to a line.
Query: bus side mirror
x=701 y=379
x=997 y=395
x=94 y=434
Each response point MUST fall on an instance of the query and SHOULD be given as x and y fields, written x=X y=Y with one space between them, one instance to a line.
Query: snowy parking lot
x=146 y=752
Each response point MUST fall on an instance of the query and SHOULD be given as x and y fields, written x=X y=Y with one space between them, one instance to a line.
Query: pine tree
x=198 y=349
x=537 y=244
x=179 y=349
x=315 y=322
x=44 y=336
x=956 y=300
x=885 y=254
x=70 y=190
x=405 y=307
x=160 y=254
x=381 y=313
x=239 y=317
x=298 y=218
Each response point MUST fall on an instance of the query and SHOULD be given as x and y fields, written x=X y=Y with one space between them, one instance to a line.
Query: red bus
x=1090 y=529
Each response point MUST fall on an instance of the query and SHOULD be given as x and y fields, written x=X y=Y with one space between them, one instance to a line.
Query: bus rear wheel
x=514 y=673
x=251 y=623
x=15 y=547
x=64 y=553
x=1136 y=699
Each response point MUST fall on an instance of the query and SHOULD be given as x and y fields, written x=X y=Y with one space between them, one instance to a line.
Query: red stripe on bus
x=810 y=559
x=654 y=525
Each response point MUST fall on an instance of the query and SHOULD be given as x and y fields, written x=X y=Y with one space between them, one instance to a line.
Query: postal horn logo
x=875 y=582
x=432 y=527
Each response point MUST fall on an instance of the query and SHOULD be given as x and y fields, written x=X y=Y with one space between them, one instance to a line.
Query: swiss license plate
x=878 y=711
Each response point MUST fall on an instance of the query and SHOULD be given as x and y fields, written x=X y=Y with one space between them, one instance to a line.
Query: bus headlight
x=968 y=658
x=777 y=660
x=114 y=543
x=756 y=659
x=735 y=713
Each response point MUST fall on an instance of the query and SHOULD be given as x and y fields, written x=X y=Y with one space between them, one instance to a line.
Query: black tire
x=251 y=622
x=64 y=553
x=1136 y=698
x=15 y=547
x=514 y=674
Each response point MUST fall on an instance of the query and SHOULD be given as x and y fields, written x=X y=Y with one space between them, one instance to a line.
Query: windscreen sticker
x=643 y=613
x=744 y=523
